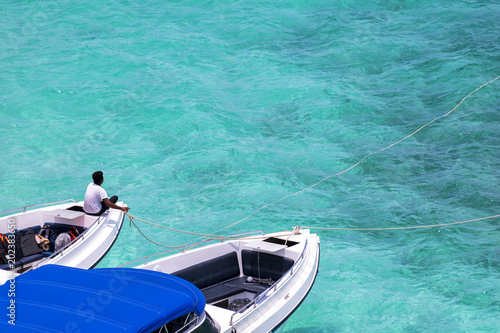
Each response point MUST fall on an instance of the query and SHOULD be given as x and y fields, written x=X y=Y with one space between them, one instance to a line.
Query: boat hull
x=267 y=310
x=86 y=251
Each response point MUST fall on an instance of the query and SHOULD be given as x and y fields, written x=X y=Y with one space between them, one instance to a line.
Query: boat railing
x=190 y=246
x=37 y=205
x=189 y=322
x=274 y=287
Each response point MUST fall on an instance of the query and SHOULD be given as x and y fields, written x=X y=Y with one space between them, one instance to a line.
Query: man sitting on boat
x=96 y=199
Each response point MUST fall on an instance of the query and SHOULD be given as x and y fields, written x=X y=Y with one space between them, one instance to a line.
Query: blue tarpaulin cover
x=63 y=299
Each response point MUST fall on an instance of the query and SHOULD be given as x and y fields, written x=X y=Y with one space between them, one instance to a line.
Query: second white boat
x=251 y=284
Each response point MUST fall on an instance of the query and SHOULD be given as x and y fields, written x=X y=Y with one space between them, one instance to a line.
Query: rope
x=405 y=228
x=361 y=160
x=292 y=233
x=171 y=229
x=212 y=237
x=149 y=239
x=321 y=181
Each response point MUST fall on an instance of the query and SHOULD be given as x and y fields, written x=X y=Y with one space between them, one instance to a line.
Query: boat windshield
x=190 y=323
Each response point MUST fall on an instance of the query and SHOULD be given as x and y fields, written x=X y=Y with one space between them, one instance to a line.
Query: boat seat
x=265 y=265
x=23 y=261
x=255 y=264
x=220 y=277
x=61 y=227
x=211 y=272
x=232 y=287
x=29 y=259
x=76 y=209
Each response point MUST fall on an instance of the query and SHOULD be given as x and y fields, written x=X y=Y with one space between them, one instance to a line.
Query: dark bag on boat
x=4 y=249
x=27 y=242
x=48 y=233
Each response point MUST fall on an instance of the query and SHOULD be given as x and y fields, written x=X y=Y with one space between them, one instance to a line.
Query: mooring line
x=149 y=239
x=404 y=228
x=207 y=236
x=285 y=234
x=361 y=160
x=211 y=235
x=132 y=217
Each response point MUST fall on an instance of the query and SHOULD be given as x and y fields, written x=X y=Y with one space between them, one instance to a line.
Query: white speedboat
x=95 y=237
x=251 y=284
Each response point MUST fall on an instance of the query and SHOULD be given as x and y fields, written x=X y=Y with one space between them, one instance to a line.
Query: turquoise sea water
x=201 y=112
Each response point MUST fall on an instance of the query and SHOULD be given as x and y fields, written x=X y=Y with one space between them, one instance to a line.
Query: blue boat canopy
x=56 y=298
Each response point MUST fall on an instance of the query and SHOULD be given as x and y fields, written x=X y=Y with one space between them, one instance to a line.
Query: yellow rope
x=404 y=228
x=149 y=239
x=326 y=178
x=212 y=237
x=361 y=160
x=290 y=234
x=171 y=229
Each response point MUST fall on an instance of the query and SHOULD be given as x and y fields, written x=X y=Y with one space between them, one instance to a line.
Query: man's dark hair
x=97 y=177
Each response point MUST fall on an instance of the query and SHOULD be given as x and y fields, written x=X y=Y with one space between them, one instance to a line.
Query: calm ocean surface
x=201 y=112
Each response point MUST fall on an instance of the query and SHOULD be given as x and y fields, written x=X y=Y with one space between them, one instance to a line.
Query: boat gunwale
x=25 y=208
x=275 y=328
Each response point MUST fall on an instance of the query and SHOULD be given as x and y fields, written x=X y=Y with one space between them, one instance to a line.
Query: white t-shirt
x=93 y=197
